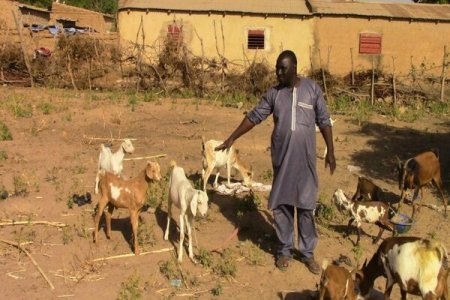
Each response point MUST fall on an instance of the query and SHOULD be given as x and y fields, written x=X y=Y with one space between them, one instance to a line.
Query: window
x=369 y=43
x=175 y=32
x=255 y=39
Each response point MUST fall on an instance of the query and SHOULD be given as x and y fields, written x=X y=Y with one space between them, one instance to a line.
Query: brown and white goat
x=120 y=193
x=337 y=283
x=419 y=266
x=418 y=171
x=212 y=159
x=375 y=212
x=367 y=190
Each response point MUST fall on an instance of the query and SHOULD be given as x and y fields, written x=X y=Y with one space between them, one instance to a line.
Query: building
x=331 y=33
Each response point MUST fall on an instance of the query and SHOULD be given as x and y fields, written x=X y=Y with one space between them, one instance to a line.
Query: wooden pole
x=25 y=57
x=353 y=67
x=311 y=60
x=372 y=85
x=444 y=66
x=323 y=75
x=394 y=86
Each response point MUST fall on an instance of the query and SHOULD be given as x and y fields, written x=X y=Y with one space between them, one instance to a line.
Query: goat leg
x=134 y=217
x=378 y=236
x=358 y=230
x=100 y=207
x=108 y=215
x=350 y=222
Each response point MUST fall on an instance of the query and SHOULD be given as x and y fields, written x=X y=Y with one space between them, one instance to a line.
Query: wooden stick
x=146 y=157
x=12 y=222
x=132 y=254
x=19 y=26
x=192 y=294
x=18 y=246
x=394 y=86
x=444 y=65
x=232 y=235
x=353 y=70
x=372 y=85
x=105 y=139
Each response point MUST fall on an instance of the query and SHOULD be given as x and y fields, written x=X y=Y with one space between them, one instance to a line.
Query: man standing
x=297 y=104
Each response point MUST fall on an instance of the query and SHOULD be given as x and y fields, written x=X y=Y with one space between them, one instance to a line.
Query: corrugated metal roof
x=389 y=10
x=289 y=7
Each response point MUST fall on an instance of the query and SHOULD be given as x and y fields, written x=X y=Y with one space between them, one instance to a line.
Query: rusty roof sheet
x=389 y=10
x=288 y=7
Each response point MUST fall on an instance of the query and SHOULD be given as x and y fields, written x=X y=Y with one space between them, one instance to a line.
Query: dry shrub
x=11 y=58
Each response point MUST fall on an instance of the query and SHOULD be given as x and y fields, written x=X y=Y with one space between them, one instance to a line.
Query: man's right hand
x=225 y=145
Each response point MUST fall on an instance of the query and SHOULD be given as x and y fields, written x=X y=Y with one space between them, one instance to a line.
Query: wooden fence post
x=25 y=57
x=394 y=87
x=372 y=85
x=323 y=76
x=353 y=69
x=444 y=66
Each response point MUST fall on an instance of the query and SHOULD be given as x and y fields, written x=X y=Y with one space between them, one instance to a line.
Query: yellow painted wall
x=281 y=34
x=423 y=41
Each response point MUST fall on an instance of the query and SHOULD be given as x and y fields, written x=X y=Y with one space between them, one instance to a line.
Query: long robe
x=295 y=111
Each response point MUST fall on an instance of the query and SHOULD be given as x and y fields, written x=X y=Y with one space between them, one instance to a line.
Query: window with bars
x=175 y=32
x=369 y=43
x=255 y=39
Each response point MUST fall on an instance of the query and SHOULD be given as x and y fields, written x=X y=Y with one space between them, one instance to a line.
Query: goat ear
x=194 y=204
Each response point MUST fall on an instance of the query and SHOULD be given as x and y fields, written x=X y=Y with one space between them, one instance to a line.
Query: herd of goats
x=419 y=266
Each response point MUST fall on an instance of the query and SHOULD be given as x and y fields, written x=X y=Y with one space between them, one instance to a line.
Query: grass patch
x=130 y=289
x=169 y=269
x=217 y=290
x=3 y=155
x=253 y=254
x=46 y=108
x=205 y=258
x=249 y=203
x=67 y=235
x=226 y=266
x=18 y=108
x=20 y=186
x=145 y=234
x=267 y=175
x=5 y=134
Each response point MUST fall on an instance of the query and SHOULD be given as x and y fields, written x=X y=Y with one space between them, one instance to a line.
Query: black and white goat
x=374 y=212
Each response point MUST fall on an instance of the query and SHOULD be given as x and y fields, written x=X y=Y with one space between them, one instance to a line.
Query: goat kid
x=337 y=283
x=366 y=190
x=112 y=162
x=417 y=172
x=212 y=159
x=120 y=193
x=418 y=266
x=188 y=200
x=375 y=212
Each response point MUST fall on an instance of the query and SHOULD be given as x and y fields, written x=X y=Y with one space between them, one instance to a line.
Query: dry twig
x=12 y=222
x=132 y=254
x=146 y=157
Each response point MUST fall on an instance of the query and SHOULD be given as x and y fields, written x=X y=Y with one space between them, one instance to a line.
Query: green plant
x=252 y=253
x=3 y=155
x=169 y=269
x=5 y=134
x=217 y=290
x=132 y=101
x=79 y=169
x=357 y=254
x=130 y=289
x=226 y=265
x=205 y=258
x=70 y=202
x=67 y=235
x=439 y=108
x=20 y=186
x=249 y=203
x=20 y=109
x=46 y=107
x=267 y=175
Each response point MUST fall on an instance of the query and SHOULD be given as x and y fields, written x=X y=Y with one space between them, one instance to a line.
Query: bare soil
x=50 y=154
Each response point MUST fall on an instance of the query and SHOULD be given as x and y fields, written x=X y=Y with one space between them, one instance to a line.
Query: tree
x=103 y=6
x=433 y=1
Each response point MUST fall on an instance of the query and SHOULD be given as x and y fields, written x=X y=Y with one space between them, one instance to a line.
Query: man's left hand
x=330 y=161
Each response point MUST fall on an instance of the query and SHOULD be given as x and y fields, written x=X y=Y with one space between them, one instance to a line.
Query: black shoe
x=311 y=264
x=282 y=262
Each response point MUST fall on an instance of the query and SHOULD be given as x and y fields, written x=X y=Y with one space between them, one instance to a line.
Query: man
x=297 y=104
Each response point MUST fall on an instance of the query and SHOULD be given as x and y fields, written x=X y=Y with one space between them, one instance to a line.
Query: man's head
x=286 y=68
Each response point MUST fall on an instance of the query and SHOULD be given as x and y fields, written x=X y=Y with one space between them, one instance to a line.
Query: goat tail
x=98 y=179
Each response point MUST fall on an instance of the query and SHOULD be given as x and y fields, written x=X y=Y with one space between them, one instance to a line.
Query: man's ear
x=194 y=203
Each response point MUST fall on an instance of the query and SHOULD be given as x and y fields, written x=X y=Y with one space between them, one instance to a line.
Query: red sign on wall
x=369 y=43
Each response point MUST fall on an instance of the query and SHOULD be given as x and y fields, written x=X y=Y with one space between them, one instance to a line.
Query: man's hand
x=225 y=145
x=330 y=161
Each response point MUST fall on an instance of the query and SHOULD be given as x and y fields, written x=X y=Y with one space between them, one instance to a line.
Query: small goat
x=418 y=171
x=367 y=190
x=112 y=162
x=212 y=159
x=369 y=212
x=120 y=193
x=337 y=283
x=419 y=266
x=188 y=200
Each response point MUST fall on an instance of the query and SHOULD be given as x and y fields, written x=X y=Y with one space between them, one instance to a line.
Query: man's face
x=286 y=71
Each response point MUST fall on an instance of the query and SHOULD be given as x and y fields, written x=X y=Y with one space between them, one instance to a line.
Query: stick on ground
x=32 y=260
x=146 y=157
x=12 y=222
x=132 y=254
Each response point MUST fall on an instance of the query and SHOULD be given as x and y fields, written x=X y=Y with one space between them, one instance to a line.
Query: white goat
x=188 y=200
x=318 y=130
x=212 y=159
x=112 y=162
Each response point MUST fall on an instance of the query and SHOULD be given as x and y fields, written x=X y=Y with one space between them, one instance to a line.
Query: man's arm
x=327 y=134
x=244 y=127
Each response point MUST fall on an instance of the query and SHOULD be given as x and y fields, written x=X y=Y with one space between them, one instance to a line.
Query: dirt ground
x=50 y=154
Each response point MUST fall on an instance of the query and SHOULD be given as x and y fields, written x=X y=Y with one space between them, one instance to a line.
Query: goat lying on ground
x=119 y=193
x=212 y=159
x=419 y=266
x=188 y=200
x=369 y=212
x=336 y=283
x=418 y=171
x=112 y=162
